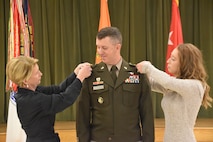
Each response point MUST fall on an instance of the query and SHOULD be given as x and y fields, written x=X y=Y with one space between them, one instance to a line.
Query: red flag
x=103 y=22
x=175 y=34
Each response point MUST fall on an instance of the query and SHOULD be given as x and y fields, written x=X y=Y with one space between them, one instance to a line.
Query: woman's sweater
x=181 y=102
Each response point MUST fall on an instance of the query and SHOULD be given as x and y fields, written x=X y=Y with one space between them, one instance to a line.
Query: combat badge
x=98 y=84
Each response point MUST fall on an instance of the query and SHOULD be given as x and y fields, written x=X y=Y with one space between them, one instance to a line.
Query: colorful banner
x=20 y=42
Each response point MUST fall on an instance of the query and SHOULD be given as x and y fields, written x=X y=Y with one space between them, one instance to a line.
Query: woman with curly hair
x=183 y=93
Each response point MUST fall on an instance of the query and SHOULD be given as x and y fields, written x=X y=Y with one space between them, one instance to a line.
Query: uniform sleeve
x=59 y=88
x=146 y=111
x=83 y=114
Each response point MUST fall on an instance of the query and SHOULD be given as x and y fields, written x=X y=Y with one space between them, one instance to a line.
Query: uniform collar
x=118 y=65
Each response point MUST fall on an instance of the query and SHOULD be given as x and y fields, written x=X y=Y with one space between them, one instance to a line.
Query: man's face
x=108 y=50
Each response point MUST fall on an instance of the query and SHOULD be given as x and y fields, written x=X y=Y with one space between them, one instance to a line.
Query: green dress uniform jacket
x=120 y=112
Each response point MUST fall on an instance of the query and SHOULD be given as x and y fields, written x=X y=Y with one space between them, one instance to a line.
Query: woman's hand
x=140 y=66
x=83 y=71
x=80 y=66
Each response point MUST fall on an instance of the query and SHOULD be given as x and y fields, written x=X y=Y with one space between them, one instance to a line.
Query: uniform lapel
x=123 y=73
x=104 y=74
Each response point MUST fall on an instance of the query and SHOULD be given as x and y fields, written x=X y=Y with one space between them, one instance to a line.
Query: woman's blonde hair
x=20 y=69
x=192 y=67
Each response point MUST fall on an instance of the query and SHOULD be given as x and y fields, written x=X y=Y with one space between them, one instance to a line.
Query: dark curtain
x=65 y=33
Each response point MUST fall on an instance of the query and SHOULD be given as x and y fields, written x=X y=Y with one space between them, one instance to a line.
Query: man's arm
x=146 y=111
x=83 y=115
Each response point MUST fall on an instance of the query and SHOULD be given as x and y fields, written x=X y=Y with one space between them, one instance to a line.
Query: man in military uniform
x=117 y=109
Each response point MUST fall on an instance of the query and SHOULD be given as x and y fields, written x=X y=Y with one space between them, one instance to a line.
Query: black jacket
x=37 y=109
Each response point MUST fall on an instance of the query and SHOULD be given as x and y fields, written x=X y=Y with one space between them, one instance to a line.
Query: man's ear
x=118 y=46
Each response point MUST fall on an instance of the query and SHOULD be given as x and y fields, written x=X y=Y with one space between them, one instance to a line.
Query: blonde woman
x=38 y=105
x=183 y=94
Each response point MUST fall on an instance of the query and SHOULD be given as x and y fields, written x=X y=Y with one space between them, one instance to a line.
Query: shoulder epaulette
x=93 y=66
x=131 y=64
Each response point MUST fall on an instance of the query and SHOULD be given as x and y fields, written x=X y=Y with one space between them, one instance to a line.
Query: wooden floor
x=66 y=129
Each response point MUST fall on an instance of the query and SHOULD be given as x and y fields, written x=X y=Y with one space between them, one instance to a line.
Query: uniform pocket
x=131 y=94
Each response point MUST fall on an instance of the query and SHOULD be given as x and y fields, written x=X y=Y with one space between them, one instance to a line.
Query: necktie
x=113 y=73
